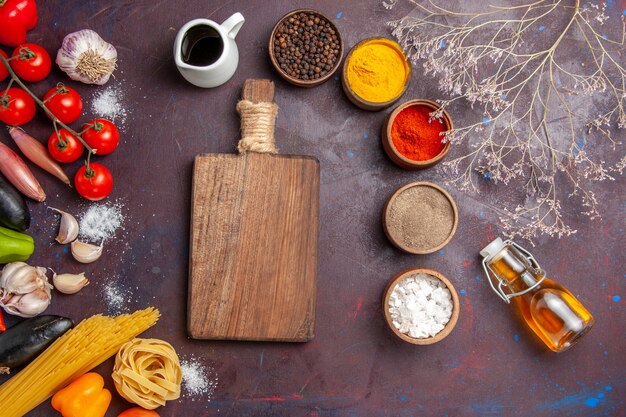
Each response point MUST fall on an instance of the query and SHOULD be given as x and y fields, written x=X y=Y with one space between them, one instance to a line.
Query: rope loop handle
x=257 y=127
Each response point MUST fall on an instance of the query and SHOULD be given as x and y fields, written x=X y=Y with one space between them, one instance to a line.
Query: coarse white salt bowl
x=455 y=306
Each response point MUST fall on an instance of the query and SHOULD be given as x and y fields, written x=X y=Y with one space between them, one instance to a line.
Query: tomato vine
x=55 y=120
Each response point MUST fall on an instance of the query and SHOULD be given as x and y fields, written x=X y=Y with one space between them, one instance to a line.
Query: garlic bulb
x=24 y=289
x=69 y=283
x=21 y=278
x=68 y=229
x=84 y=56
x=29 y=305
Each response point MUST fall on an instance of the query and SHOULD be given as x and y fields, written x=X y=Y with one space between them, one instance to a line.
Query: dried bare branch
x=520 y=85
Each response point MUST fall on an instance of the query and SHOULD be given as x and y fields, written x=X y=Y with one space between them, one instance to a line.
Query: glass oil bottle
x=550 y=310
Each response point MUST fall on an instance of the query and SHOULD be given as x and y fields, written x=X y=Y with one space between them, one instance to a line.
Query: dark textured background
x=489 y=366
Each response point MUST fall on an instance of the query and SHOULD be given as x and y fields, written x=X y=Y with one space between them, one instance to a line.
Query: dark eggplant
x=14 y=213
x=26 y=340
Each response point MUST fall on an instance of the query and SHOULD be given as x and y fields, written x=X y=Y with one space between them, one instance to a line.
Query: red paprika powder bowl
x=412 y=138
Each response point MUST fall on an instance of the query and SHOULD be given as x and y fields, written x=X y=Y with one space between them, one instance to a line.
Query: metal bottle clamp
x=491 y=275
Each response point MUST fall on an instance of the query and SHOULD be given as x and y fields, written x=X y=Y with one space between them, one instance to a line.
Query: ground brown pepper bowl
x=294 y=80
x=420 y=218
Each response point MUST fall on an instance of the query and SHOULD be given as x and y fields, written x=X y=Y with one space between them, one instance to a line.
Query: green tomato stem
x=6 y=91
x=62 y=143
x=60 y=90
x=41 y=104
x=25 y=53
x=88 y=170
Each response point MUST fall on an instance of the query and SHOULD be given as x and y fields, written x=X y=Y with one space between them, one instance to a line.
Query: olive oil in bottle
x=548 y=309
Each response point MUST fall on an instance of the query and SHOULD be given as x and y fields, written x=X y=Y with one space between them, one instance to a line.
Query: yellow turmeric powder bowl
x=375 y=74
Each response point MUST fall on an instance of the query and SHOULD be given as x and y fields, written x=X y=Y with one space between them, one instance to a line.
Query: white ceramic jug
x=206 y=53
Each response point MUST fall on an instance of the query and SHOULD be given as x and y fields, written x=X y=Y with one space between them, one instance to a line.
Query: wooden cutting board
x=254 y=231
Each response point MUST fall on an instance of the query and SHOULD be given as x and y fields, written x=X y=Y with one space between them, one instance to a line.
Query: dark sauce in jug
x=202 y=46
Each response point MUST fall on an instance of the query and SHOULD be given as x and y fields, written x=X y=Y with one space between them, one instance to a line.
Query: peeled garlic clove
x=68 y=229
x=29 y=305
x=69 y=283
x=86 y=252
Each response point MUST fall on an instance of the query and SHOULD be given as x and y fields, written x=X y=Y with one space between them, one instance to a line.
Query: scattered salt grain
x=420 y=305
x=197 y=379
x=108 y=103
x=101 y=221
x=117 y=298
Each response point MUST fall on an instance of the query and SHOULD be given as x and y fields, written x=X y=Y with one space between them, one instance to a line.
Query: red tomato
x=65 y=149
x=16 y=107
x=102 y=135
x=94 y=183
x=34 y=63
x=64 y=102
x=4 y=72
x=138 y=412
x=16 y=17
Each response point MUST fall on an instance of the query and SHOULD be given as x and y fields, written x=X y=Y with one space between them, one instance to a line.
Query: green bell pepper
x=15 y=246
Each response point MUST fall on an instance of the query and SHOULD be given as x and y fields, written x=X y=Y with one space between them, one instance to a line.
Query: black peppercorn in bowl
x=305 y=47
